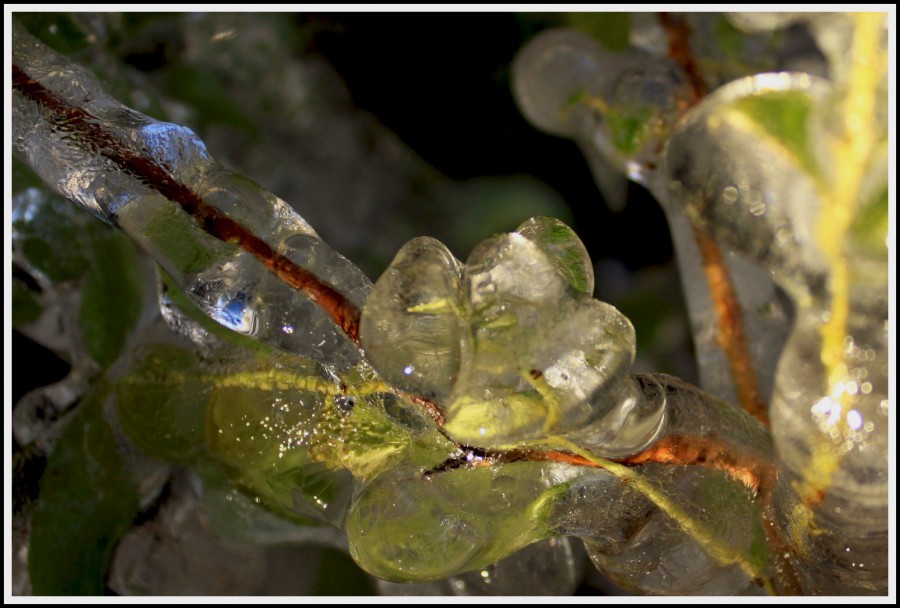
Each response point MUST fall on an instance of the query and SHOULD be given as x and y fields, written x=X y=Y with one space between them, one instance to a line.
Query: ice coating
x=618 y=106
x=409 y=525
x=621 y=108
x=511 y=343
x=548 y=567
x=281 y=426
x=418 y=298
x=650 y=552
x=774 y=195
x=772 y=202
x=243 y=255
x=638 y=545
x=406 y=528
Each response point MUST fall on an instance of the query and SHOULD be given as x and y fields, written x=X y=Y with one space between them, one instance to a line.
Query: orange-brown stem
x=81 y=124
x=678 y=34
x=730 y=336
x=754 y=473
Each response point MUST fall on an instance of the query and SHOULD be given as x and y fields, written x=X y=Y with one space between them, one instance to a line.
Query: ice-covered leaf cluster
x=513 y=359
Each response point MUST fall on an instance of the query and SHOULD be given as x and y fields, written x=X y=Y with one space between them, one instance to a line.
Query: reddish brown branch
x=678 y=34
x=754 y=473
x=730 y=336
x=213 y=221
x=710 y=452
x=431 y=408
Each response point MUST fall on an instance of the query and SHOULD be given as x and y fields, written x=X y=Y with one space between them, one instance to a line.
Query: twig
x=730 y=337
x=697 y=530
x=679 y=50
x=213 y=221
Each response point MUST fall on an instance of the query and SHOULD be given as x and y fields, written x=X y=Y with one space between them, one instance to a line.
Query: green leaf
x=25 y=306
x=629 y=130
x=612 y=30
x=870 y=225
x=161 y=404
x=56 y=30
x=88 y=500
x=50 y=233
x=784 y=115
x=110 y=296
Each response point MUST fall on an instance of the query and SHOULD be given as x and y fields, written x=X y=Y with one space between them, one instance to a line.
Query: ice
x=235 y=518
x=759 y=196
x=408 y=527
x=221 y=237
x=639 y=545
x=174 y=554
x=37 y=415
x=412 y=323
x=548 y=567
x=279 y=446
x=619 y=106
x=766 y=313
x=511 y=357
x=561 y=64
x=655 y=559
x=775 y=198
x=568 y=254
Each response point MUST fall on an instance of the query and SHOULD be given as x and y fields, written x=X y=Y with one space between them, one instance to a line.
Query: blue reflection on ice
x=235 y=313
x=172 y=144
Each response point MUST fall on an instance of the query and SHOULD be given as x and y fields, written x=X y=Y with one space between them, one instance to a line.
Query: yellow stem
x=851 y=149
x=282 y=380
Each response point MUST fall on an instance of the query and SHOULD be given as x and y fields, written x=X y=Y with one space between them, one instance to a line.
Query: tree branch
x=730 y=337
x=211 y=220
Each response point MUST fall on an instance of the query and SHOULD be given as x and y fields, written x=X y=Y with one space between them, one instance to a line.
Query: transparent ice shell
x=511 y=342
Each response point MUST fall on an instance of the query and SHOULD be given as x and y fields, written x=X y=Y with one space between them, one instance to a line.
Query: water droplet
x=408 y=369
x=730 y=194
